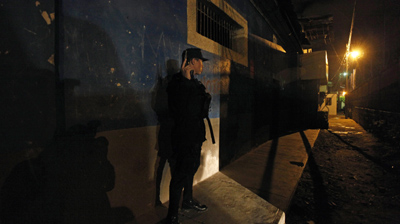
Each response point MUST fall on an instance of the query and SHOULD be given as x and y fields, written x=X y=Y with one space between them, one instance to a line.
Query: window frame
x=238 y=51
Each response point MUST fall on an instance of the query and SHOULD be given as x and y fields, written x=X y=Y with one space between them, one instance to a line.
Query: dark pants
x=184 y=164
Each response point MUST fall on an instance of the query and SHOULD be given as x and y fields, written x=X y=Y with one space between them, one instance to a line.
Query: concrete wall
x=331 y=109
x=133 y=152
x=314 y=65
x=380 y=92
x=111 y=56
x=383 y=124
x=375 y=103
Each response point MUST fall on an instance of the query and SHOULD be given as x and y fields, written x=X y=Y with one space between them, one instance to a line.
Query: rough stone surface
x=351 y=177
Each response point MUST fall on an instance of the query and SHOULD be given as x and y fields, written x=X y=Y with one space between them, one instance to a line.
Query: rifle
x=211 y=130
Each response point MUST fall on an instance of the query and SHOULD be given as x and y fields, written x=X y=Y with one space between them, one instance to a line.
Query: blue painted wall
x=115 y=51
x=111 y=56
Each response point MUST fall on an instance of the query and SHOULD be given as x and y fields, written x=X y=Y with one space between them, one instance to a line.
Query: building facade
x=70 y=62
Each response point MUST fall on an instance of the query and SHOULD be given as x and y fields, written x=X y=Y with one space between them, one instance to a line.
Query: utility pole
x=347 y=109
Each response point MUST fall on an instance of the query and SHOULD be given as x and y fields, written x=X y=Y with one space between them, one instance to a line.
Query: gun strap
x=211 y=130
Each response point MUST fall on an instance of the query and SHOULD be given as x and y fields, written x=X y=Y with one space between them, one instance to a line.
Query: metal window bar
x=198 y=22
x=206 y=21
x=215 y=26
x=198 y=17
x=203 y=20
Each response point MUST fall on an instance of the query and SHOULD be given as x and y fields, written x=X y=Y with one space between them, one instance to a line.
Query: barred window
x=213 y=23
x=216 y=27
x=328 y=101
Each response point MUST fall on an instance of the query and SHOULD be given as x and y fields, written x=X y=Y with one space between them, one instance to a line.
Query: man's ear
x=193 y=60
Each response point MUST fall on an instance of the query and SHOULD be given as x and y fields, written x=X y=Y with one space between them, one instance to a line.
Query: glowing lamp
x=355 y=54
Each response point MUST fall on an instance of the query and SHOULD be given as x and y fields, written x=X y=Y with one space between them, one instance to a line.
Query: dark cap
x=193 y=53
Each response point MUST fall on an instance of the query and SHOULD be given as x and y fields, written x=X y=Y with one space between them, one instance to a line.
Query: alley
x=350 y=177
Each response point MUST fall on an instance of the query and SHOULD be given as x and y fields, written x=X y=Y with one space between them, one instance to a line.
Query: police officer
x=186 y=100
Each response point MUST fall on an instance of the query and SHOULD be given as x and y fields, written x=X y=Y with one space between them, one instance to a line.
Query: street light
x=348 y=51
x=356 y=54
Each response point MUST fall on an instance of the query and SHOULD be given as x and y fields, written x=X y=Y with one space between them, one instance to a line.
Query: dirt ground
x=351 y=177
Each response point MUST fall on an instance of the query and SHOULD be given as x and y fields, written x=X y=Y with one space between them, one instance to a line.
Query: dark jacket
x=186 y=100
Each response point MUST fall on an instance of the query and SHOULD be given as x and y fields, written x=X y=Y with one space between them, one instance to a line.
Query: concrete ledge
x=228 y=202
x=256 y=188
x=273 y=169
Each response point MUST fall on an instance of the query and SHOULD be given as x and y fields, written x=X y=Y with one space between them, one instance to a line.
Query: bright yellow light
x=344 y=93
x=355 y=54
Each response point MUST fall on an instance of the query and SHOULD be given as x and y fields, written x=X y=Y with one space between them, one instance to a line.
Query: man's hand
x=186 y=68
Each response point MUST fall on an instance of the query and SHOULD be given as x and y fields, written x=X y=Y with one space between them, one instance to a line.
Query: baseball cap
x=193 y=53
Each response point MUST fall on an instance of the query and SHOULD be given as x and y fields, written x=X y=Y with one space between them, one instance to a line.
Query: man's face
x=198 y=66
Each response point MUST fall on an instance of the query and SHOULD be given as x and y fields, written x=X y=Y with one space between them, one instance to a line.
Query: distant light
x=355 y=54
x=344 y=73
x=344 y=93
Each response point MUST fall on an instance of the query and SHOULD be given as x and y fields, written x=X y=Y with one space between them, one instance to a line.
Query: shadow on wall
x=27 y=79
x=43 y=188
x=105 y=92
x=66 y=183
x=160 y=106
x=236 y=116
x=29 y=114
x=28 y=84
x=257 y=110
x=249 y=108
x=102 y=89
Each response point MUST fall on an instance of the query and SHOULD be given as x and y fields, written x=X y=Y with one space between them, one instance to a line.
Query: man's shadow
x=66 y=183
x=165 y=121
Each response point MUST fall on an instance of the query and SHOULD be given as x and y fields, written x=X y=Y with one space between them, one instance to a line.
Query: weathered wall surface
x=332 y=108
x=384 y=124
x=133 y=153
x=111 y=57
x=375 y=103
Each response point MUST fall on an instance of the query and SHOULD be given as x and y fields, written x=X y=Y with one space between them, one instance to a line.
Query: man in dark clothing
x=188 y=105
